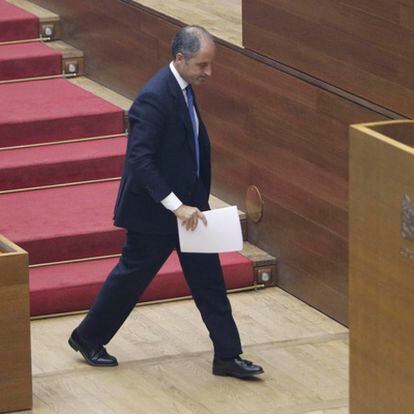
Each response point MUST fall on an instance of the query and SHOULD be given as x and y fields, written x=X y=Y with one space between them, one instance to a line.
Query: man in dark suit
x=166 y=176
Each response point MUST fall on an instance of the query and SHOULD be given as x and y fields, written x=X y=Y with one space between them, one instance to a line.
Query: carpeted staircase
x=16 y=23
x=61 y=155
x=65 y=162
x=29 y=60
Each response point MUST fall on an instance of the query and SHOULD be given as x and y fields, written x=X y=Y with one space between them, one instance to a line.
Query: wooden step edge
x=63 y=142
x=73 y=62
x=22 y=41
x=37 y=78
x=34 y=9
x=104 y=93
x=83 y=259
x=264 y=265
x=50 y=186
x=49 y=22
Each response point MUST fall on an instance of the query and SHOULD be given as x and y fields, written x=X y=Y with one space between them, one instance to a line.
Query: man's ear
x=179 y=58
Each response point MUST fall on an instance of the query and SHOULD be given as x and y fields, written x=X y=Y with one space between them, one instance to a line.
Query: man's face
x=198 y=68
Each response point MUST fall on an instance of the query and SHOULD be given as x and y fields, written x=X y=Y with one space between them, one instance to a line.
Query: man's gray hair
x=188 y=41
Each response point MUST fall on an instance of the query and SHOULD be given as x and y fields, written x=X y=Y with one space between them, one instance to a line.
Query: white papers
x=222 y=233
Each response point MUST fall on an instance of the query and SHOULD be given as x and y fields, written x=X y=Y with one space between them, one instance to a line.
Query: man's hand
x=189 y=216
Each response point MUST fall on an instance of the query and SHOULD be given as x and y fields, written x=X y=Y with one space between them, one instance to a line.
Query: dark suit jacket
x=160 y=158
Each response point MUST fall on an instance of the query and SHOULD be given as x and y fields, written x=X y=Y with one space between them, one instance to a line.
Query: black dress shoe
x=94 y=355
x=236 y=367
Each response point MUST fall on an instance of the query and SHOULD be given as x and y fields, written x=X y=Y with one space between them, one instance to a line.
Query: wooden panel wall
x=288 y=138
x=267 y=128
x=365 y=47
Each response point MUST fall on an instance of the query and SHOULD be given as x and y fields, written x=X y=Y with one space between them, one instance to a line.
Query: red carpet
x=62 y=223
x=28 y=60
x=61 y=163
x=52 y=110
x=73 y=286
x=16 y=24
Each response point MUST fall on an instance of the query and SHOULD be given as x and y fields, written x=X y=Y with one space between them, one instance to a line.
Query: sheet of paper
x=222 y=234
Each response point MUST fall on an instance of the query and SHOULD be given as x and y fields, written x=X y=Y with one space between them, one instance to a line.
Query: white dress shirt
x=172 y=202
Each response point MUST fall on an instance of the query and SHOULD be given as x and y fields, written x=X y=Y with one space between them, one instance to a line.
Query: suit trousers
x=142 y=257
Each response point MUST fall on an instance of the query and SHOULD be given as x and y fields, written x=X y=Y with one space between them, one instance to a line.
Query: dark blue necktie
x=191 y=109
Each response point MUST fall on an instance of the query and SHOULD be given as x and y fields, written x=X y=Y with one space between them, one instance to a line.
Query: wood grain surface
x=15 y=359
x=165 y=359
x=381 y=271
x=364 y=47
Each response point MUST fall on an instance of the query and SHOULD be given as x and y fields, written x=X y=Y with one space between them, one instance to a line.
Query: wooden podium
x=15 y=359
x=381 y=254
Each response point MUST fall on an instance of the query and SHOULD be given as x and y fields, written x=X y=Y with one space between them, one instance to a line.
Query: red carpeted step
x=61 y=163
x=52 y=110
x=73 y=286
x=17 y=24
x=28 y=60
x=62 y=223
